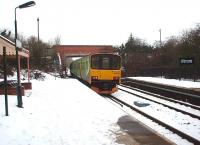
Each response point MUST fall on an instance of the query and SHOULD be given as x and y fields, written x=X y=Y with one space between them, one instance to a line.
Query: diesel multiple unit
x=101 y=71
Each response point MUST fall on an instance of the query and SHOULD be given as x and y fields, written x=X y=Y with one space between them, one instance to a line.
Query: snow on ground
x=185 y=123
x=179 y=83
x=191 y=126
x=169 y=103
x=59 y=112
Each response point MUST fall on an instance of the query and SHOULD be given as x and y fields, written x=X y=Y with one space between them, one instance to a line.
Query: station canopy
x=10 y=48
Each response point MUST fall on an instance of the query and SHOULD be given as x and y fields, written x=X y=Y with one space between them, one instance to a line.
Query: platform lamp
x=19 y=95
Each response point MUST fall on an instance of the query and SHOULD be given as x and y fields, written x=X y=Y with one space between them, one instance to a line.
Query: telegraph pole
x=38 y=30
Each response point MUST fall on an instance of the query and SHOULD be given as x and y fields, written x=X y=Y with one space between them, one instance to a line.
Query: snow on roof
x=10 y=48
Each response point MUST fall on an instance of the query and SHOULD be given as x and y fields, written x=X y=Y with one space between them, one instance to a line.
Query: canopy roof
x=10 y=48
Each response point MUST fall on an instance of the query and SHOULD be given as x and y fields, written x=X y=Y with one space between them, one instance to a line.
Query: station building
x=10 y=55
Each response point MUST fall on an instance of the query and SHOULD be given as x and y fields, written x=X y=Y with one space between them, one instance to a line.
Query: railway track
x=172 y=106
x=187 y=136
x=178 y=93
x=163 y=97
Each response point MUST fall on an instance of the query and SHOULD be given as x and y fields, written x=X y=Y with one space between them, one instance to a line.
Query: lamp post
x=19 y=96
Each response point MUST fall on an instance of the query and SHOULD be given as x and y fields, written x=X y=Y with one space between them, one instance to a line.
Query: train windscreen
x=106 y=61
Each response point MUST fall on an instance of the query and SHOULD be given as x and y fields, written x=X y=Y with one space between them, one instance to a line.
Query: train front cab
x=105 y=73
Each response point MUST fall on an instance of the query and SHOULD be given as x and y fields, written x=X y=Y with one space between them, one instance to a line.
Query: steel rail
x=176 y=109
x=182 y=134
x=162 y=97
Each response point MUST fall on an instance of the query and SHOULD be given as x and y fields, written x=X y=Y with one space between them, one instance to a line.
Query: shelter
x=11 y=54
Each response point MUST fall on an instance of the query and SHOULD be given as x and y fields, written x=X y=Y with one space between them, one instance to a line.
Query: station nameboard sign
x=187 y=61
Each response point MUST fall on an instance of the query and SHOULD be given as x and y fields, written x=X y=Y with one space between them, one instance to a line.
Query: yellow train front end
x=105 y=73
x=105 y=81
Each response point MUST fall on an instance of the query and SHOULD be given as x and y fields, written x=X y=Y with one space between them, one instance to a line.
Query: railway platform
x=177 y=85
x=131 y=131
x=138 y=134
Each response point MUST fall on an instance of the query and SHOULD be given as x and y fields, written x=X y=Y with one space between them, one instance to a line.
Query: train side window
x=87 y=64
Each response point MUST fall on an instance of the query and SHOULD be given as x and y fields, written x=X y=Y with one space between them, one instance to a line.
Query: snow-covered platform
x=171 y=82
x=65 y=112
x=190 y=88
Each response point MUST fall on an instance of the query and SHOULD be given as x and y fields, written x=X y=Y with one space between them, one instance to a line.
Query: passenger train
x=102 y=71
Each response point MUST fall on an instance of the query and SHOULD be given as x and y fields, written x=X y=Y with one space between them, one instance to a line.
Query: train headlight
x=115 y=78
x=94 y=77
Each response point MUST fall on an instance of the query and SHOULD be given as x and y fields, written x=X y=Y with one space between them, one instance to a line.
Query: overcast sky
x=102 y=22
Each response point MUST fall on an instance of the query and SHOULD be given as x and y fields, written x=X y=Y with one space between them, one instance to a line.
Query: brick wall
x=80 y=50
